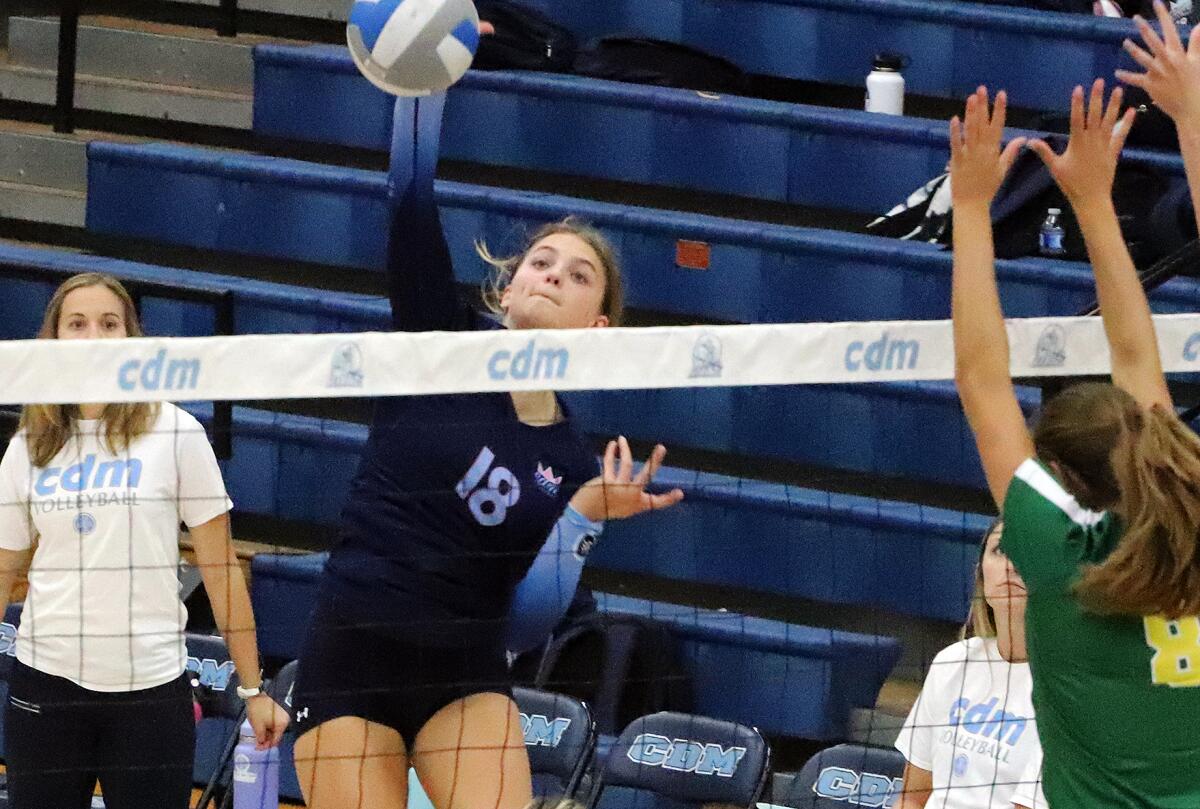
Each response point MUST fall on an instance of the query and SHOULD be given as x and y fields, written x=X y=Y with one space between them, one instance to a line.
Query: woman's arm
x=918 y=786
x=981 y=359
x=12 y=565
x=420 y=274
x=1172 y=79
x=1085 y=172
x=230 y=600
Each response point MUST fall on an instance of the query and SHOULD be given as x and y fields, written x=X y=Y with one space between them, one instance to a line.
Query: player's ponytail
x=1155 y=569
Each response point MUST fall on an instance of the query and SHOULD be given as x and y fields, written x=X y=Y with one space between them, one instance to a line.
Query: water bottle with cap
x=1050 y=240
x=885 y=85
x=255 y=773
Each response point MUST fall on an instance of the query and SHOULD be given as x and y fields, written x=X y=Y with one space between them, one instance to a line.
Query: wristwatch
x=247 y=693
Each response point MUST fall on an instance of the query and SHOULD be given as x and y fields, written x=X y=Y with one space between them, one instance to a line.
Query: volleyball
x=413 y=47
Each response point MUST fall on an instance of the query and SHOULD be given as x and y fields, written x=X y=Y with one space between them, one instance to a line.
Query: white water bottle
x=885 y=85
x=255 y=773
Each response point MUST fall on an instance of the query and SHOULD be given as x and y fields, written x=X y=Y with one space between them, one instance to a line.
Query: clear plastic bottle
x=255 y=773
x=1050 y=241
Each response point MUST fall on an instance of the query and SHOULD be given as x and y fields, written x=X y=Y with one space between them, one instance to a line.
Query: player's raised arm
x=981 y=359
x=1172 y=79
x=1085 y=172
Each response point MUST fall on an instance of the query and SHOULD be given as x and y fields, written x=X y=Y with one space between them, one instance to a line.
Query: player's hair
x=1144 y=464
x=981 y=621
x=613 y=304
x=47 y=426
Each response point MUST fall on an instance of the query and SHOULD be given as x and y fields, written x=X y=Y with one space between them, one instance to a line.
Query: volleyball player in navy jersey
x=405 y=661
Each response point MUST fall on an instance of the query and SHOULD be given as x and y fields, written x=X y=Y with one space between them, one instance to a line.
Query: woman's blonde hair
x=1143 y=464
x=612 y=305
x=47 y=426
x=981 y=621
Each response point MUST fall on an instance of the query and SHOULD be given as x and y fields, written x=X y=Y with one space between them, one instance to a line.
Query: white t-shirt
x=973 y=729
x=103 y=608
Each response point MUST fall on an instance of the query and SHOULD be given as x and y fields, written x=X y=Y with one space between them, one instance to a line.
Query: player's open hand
x=618 y=492
x=1172 y=76
x=977 y=165
x=269 y=720
x=1085 y=171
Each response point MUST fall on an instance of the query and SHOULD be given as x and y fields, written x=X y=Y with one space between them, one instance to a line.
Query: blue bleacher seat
x=682 y=761
x=797 y=153
x=560 y=737
x=334 y=215
x=954 y=47
x=848 y=774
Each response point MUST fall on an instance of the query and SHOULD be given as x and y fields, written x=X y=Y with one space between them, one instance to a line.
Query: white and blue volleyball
x=413 y=47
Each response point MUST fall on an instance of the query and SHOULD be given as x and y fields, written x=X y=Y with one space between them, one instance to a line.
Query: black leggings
x=60 y=738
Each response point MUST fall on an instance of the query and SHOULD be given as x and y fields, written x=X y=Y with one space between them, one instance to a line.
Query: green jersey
x=1117 y=699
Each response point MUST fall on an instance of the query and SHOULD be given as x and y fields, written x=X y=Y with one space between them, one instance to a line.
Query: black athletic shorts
x=348 y=670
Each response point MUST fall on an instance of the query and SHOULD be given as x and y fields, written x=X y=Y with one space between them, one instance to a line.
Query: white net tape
x=388 y=364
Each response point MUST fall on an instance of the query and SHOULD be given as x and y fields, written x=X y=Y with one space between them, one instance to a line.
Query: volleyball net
x=823 y=555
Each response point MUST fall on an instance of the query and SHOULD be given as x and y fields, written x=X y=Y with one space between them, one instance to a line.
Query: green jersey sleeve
x=1047 y=534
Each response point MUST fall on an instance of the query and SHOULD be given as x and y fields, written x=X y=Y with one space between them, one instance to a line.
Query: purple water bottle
x=255 y=773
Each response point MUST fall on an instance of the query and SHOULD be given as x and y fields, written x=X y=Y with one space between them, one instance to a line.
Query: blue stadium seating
x=953 y=47
x=560 y=737
x=795 y=153
x=846 y=774
x=680 y=761
x=302 y=211
x=213 y=671
x=784 y=678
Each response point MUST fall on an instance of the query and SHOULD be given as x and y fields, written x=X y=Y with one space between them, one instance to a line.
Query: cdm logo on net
x=533 y=361
x=160 y=372
x=885 y=354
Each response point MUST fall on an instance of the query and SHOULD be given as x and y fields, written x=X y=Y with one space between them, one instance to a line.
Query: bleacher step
x=39 y=160
x=52 y=206
x=314 y=9
x=126 y=97
x=201 y=62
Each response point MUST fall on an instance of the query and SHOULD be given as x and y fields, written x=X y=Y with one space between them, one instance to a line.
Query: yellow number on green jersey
x=1176 y=646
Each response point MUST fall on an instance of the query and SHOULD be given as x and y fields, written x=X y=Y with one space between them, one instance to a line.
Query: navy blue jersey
x=455 y=495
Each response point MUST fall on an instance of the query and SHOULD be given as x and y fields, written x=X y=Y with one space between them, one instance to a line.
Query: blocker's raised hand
x=1172 y=76
x=1088 y=166
x=618 y=492
x=977 y=165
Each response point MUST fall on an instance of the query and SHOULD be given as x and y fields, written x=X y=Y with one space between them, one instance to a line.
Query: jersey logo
x=489 y=503
x=546 y=481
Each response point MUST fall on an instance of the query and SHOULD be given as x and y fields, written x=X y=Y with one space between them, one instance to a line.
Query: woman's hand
x=268 y=718
x=1172 y=76
x=1085 y=171
x=977 y=166
x=618 y=493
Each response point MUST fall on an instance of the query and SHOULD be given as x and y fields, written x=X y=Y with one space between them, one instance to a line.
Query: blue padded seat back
x=560 y=737
x=684 y=760
x=848 y=773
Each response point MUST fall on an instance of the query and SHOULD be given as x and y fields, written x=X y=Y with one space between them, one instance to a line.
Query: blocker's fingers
x=1095 y=109
x=1113 y=112
x=1170 y=32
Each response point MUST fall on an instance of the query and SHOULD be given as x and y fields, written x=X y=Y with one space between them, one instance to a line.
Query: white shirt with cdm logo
x=103 y=608
x=973 y=729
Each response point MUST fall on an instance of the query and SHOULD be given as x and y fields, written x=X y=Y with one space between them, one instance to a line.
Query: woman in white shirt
x=970 y=740
x=91 y=498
